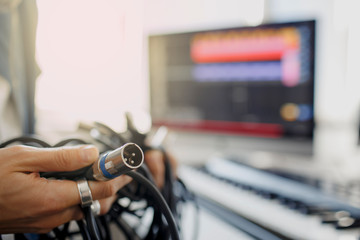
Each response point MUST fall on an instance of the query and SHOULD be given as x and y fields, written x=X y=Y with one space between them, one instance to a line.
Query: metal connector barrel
x=117 y=162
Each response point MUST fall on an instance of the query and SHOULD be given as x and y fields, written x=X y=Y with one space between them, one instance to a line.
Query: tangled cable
x=141 y=211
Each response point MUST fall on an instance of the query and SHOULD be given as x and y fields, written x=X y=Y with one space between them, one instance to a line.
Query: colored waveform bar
x=247 y=71
x=251 y=45
x=268 y=130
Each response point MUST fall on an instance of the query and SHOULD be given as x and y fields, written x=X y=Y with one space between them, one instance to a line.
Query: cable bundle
x=141 y=211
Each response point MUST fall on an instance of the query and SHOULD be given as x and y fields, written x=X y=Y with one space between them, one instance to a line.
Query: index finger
x=31 y=159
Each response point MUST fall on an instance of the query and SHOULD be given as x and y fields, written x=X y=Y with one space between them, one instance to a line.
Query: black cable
x=58 y=234
x=192 y=197
x=154 y=231
x=20 y=236
x=104 y=222
x=128 y=194
x=129 y=233
x=84 y=232
x=100 y=227
x=91 y=224
x=61 y=234
x=107 y=145
x=168 y=192
x=120 y=138
x=25 y=140
x=144 y=170
x=159 y=200
x=143 y=189
x=169 y=180
x=67 y=141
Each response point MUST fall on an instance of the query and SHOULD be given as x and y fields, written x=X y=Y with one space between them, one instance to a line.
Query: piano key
x=269 y=213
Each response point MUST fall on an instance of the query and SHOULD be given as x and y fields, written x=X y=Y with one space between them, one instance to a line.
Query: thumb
x=57 y=159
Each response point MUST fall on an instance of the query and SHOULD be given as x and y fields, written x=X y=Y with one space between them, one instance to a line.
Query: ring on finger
x=85 y=193
x=96 y=207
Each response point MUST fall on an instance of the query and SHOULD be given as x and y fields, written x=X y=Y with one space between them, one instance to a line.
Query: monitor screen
x=251 y=81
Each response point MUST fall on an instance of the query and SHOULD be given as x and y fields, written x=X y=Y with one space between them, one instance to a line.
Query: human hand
x=30 y=203
x=155 y=159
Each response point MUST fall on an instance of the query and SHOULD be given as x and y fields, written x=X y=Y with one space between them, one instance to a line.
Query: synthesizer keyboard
x=290 y=208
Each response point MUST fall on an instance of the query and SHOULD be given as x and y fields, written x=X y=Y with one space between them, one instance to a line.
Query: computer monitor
x=251 y=82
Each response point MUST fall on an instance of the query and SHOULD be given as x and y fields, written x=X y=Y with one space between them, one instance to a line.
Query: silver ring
x=85 y=193
x=95 y=207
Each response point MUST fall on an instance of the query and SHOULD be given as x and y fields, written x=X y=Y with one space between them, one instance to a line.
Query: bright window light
x=90 y=54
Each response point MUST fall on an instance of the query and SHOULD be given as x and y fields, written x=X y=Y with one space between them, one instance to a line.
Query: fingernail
x=89 y=153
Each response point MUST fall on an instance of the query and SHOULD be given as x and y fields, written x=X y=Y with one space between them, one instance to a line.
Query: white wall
x=164 y=16
x=90 y=53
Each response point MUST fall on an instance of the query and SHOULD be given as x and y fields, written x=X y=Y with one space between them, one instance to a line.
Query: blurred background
x=94 y=60
x=100 y=59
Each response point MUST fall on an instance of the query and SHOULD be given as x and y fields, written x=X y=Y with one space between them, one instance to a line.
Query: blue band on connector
x=103 y=169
